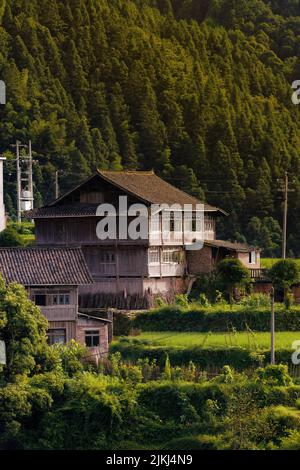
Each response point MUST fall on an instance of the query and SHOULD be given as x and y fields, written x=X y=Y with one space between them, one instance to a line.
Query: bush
x=217 y=318
x=291 y=442
x=202 y=442
x=168 y=401
x=122 y=324
x=256 y=301
x=204 y=358
x=275 y=375
x=10 y=238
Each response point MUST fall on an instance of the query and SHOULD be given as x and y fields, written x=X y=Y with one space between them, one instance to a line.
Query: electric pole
x=56 y=186
x=272 y=294
x=286 y=190
x=24 y=179
x=18 y=182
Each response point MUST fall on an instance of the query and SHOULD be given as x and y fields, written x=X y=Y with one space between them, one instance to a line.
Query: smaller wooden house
x=51 y=276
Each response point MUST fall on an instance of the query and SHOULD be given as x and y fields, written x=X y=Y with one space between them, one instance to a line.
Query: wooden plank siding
x=82 y=231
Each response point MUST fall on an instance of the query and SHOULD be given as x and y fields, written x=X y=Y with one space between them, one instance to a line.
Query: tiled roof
x=151 y=188
x=241 y=247
x=144 y=185
x=37 y=266
x=68 y=210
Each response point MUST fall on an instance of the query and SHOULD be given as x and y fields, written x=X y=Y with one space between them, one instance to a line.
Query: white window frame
x=253 y=257
x=156 y=253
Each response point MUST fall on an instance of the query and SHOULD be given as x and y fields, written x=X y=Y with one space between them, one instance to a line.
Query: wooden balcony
x=259 y=274
x=166 y=270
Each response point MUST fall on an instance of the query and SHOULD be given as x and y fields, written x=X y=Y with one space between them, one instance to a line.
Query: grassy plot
x=267 y=263
x=249 y=340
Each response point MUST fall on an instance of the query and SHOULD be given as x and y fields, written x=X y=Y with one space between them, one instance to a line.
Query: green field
x=267 y=263
x=249 y=340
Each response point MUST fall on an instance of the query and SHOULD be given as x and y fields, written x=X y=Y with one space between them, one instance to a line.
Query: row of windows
x=175 y=224
x=168 y=256
x=58 y=336
x=52 y=299
x=107 y=257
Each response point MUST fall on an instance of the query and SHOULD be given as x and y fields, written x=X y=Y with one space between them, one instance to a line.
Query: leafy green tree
x=23 y=329
x=284 y=274
x=233 y=275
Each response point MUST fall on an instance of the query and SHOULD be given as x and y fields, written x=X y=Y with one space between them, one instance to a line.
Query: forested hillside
x=198 y=90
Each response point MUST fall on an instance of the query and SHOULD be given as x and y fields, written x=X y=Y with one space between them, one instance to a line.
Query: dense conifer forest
x=198 y=90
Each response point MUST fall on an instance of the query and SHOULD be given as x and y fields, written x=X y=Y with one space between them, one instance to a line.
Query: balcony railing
x=259 y=273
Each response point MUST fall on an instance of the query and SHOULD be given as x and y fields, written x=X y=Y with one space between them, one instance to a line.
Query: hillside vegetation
x=200 y=91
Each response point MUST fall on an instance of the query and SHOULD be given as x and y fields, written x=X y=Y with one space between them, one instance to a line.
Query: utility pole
x=18 y=182
x=272 y=294
x=285 y=212
x=24 y=179
x=56 y=186
x=286 y=190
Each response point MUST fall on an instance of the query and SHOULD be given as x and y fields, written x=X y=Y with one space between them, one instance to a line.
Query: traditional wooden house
x=127 y=272
x=51 y=275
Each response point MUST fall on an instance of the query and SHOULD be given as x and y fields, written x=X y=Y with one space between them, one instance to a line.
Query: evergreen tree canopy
x=198 y=90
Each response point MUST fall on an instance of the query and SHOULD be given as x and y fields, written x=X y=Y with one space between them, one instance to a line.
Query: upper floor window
x=107 y=257
x=53 y=298
x=61 y=299
x=209 y=225
x=252 y=257
x=172 y=222
x=40 y=300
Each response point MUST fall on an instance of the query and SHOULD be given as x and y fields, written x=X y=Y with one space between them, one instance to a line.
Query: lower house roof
x=92 y=317
x=39 y=266
x=231 y=246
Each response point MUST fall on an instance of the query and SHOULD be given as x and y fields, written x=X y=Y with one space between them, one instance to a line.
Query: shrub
x=275 y=375
x=202 y=442
x=233 y=274
x=10 y=238
x=217 y=318
x=256 y=300
x=122 y=324
x=203 y=357
x=182 y=301
x=168 y=401
x=291 y=442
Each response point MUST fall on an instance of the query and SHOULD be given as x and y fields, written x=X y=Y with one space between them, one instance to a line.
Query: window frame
x=252 y=257
x=107 y=257
x=51 y=335
x=92 y=333
x=151 y=252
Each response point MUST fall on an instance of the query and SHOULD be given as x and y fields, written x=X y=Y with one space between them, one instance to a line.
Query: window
x=92 y=338
x=61 y=299
x=171 y=256
x=154 y=255
x=172 y=223
x=40 y=300
x=56 y=336
x=209 y=224
x=252 y=257
x=107 y=257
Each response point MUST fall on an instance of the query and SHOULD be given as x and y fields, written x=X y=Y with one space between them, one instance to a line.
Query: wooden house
x=127 y=272
x=51 y=275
